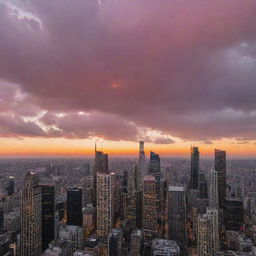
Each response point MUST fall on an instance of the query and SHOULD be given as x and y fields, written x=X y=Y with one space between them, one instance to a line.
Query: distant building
x=161 y=247
x=177 y=215
x=10 y=186
x=220 y=168
x=194 y=168
x=74 y=207
x=48 y=215
x=31 y=216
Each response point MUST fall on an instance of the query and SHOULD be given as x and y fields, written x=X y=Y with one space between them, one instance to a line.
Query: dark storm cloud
x=186 y=68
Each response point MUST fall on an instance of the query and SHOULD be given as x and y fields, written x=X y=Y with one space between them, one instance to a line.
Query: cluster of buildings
x=131 y=212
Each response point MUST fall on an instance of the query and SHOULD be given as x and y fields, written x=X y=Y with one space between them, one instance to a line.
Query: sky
x=173 y=73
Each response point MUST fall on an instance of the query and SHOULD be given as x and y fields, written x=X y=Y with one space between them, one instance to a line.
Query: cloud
x=184 y=69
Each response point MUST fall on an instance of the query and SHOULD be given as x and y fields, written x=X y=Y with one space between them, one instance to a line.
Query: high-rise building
x=101 y=162
x=105 y=204
x=100 y=166
x=150 y=225
x=154 y=167
x=140 y=167
x=136 y=243
x=213 y=197
x=48 y=215
x=233 y=214
x=194 y=168
x=74 y=207
x=115 y=241
x=10 y=187
x=208 y=233
x=220 y=168
x=31 y=216
x=60 y=247
x=177 y=215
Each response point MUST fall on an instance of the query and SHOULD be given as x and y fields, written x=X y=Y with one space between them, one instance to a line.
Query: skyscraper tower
x=31 y=216
x=177 y=215
x=105 y=203
x=150 y=225
x=140 y=167
x=154 y=167
x=100 y=166
x=213 y=197
x=220 y=168
x=194 y=168
x=74 y=207
x=48 y=215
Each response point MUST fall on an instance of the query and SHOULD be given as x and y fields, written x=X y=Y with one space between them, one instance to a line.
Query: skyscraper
x=105 y=204
x=154 y=167
x=213 y=197
x=48 y=215
x=10 y=187
x=74 y=207
x=220 y=168
x=150 y=225
x=115 y=240
x=208 y=233
x=140 y=167
x=194 y=168
x=136 y=242
x=31 y=216
x=177 y=215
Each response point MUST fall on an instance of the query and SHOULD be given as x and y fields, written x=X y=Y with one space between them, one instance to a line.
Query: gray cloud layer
x=185 y=69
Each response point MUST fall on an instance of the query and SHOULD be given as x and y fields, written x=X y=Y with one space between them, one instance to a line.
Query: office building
x=177 y=215
x=31 y=216
x=74 y=207
x=161 y=247
x=150 y=225
x=105 y=204
x=220 y=168
x=48 y=215
x=115 y=241
x=194 y=168
x=213 y=190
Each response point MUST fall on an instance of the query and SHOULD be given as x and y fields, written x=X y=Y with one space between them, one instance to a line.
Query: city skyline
x=170 y=74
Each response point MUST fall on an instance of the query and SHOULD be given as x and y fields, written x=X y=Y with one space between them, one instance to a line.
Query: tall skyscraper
x=220 y=168
x=154 y=167
x=101 y=162
x=177 y=215
x=100 y=166
x=213 y=197
x=194 y=168
x=105 y=203
x=31 y=216
x=48 y=215
x=150 y=225
x=140 y=167
x=74 y=207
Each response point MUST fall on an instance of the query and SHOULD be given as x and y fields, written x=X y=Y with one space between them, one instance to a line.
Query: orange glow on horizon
x=32 y=147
